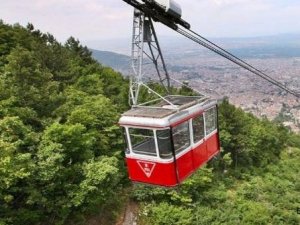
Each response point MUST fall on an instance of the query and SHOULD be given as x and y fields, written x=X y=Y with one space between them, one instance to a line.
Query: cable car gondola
x=167 y=144
x=170 y=137
x=169 y=140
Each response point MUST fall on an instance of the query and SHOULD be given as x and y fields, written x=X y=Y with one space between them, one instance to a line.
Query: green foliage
x=268 y=199
x=185 y=195
x=165 y=214
x=293 y=140
x=15 y=163
x=59 y=143
x=250 y=141
x=101 y=177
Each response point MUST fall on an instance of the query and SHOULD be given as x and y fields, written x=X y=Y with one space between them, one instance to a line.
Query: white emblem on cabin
x=147 y=167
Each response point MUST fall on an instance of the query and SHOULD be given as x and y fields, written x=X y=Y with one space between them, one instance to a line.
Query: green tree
x=165 y=214
x=60 y=146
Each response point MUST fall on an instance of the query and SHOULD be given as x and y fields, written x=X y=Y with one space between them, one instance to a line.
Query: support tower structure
x=145 y=50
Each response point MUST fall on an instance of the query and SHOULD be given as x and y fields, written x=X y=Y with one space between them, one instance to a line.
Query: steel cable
x=222 y=52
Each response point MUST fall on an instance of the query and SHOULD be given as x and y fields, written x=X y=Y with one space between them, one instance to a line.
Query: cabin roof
x=163 y=109
x=162 y=115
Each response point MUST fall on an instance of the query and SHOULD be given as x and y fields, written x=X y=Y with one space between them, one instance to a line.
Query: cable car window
x=142 y=141
x=210 y=120
x=198 y=128
x=164 y=144
x=181 y=137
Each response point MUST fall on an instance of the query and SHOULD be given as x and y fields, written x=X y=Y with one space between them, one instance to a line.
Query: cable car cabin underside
x=167 y=143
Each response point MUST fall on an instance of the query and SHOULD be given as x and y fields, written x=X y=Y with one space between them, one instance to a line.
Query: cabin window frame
x=215 y=120
x=130 y=151
x=144 y=154
x=188 y=122
x=126 y=140
x=171 y=147
x=194 y=141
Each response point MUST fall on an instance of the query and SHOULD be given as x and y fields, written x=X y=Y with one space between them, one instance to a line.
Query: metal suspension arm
x=145 y=43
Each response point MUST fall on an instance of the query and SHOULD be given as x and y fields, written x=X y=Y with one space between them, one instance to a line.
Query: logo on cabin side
x=147 y=167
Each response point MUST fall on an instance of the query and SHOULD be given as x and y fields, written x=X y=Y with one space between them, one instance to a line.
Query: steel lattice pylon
x=145 y=43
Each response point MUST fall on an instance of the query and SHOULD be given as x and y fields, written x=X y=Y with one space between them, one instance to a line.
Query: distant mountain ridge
x=117 y=61
x=277 y=46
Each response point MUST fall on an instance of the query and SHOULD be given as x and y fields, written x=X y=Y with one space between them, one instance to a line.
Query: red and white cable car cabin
x=166 y=144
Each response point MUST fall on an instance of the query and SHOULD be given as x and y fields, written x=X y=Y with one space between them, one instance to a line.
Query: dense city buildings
x=218 y=78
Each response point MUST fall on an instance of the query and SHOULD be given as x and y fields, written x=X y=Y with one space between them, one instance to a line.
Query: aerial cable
x=234 y=60
x=222 y=52
x=247 y=64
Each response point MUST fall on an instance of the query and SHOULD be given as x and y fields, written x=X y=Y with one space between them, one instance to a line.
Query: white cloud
x=229 y=2
x=241 y=17
x=85 y=19
x=105 y=19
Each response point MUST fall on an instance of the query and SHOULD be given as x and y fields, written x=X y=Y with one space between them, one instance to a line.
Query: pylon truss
x=145 y=50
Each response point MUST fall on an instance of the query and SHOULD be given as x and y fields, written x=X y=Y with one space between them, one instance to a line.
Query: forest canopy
x=60 y=147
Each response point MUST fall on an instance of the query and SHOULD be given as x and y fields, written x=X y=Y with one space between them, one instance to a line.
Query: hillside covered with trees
x=61 y=151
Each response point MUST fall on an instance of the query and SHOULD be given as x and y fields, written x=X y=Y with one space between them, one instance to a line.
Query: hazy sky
x=90 y=20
